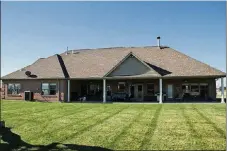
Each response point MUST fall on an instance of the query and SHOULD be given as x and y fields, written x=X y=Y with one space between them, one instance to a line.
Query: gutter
x=123 y=77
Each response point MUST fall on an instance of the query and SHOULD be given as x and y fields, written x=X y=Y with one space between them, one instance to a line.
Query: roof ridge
x=93 y=49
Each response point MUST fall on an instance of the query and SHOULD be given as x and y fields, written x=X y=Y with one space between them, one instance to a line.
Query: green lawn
x=118 y=126
x=218 y=94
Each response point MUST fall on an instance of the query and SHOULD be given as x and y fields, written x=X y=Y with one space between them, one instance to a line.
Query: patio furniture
x=163 y=96
x=120 y=96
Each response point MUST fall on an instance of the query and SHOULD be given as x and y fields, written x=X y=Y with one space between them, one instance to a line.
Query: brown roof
x=96 y=63
x=43 y=68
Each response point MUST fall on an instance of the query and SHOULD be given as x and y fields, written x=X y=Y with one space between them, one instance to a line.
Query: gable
x=131 y=66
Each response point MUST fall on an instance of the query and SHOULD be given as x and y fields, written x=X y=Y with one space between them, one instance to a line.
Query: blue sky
x=31 y=30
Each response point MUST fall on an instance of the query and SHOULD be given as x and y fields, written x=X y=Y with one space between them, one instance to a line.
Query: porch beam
x=222 y=90
x=104 y=90
x=160 y=90
x=68 y=100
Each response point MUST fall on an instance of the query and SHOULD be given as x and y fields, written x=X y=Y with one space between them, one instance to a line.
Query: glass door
x=170 y=91
x=139 y=88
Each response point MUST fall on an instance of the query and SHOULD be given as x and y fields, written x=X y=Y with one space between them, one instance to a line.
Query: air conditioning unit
x=28 y=95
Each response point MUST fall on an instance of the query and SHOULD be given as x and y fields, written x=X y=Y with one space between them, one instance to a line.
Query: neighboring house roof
x=97 y=63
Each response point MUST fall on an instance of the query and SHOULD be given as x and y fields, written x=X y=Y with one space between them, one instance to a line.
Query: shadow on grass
x=14 y=142
x=93 y=125
x=152 y=127
x=219 y=130
x=189 y=123
x=124 y=131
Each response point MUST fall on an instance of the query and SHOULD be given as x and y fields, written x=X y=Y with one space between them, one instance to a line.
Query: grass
x=118 y=126
x=218 y=94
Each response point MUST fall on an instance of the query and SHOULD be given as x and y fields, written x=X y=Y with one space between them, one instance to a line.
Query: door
x=139 y=92
x=170 y=91
x=136 y=91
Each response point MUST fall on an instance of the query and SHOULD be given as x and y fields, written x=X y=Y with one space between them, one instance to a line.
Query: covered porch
x=143 y=90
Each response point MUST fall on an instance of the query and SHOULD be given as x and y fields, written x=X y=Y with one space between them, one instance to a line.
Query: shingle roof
x=95 y=63
x=43 y=68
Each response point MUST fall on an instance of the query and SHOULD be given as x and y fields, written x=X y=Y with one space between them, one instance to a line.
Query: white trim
x=126 y=57
x=160 y=90
x=99 y=78
x=68 y=100
x=104 y=90
x=222 y=90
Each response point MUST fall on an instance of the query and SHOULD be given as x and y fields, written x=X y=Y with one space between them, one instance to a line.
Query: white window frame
x=14 y=91
x=49 y=83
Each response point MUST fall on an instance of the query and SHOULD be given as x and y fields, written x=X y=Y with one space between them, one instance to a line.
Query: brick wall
x=35 y=87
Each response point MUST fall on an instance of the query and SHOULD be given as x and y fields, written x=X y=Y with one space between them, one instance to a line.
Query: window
x=49 y=88
x=121 y=87
x=14 y=88
x=94 y=89
x=185 y=88
x=194 y=88
x=53 y=88
x=150 y=88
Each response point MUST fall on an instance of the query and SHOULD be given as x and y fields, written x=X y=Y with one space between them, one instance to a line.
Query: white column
x=68 y=91
x=222 y=90
x=160 y=90
x=104 y=90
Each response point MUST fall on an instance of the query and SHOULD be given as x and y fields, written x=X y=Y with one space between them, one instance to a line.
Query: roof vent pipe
x=158 y=41
x=66 y=51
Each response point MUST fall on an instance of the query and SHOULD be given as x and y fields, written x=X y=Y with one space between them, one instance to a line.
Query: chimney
x=158 y=41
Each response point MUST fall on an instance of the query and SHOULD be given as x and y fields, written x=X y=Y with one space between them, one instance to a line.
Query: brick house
x=142 y=73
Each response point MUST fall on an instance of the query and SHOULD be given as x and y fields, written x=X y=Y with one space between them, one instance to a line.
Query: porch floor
x=155 y=102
